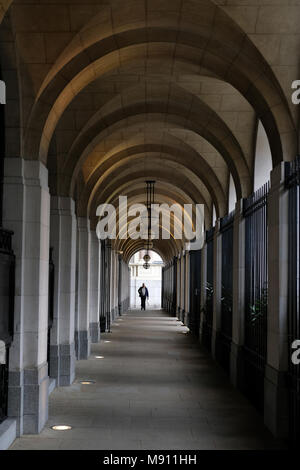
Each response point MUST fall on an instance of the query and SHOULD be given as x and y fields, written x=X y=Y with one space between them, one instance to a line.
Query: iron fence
x=7 y=294
x=292 y=185
x=207 y=311
x=195 y=291
x=225 y=334
x=169 y=286
x=256 y=289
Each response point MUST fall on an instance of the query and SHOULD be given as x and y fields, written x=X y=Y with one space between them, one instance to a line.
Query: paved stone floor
x=155 y=389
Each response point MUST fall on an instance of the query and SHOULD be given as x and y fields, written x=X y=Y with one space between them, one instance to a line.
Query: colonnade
x=177 y=299
x=40 y=221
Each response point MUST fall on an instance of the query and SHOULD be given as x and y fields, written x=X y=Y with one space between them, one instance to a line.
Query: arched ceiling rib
x=125 y=91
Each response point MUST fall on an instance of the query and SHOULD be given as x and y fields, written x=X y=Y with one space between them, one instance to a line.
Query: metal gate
x=50 y=305
x=7 y=294
x=225 y=334
x=292 y=184
x=207 y=311
x=256 y=295
x=195 y=291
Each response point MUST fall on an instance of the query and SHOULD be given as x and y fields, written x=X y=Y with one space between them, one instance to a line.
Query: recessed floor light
x=87 y=382
x=107 y=341
x=61 y=427
x=99 y=357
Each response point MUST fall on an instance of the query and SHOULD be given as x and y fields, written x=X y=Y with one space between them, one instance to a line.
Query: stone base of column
x=82 y=344
x=95 y=332
x=35 y=399
x=186 y=319
x=62 y=364
x=113 y=314
x=181 y=313
x=276 y=404
x=15 y=399
x=28 y=399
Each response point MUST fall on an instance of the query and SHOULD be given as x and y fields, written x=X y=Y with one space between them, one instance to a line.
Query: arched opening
x=231 y=195
x=152 y=278
x=263 y=158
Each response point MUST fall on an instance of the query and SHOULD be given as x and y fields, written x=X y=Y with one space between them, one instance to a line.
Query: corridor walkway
x=154 y=389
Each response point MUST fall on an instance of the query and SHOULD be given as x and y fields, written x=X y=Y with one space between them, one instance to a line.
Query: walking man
x=144 y=294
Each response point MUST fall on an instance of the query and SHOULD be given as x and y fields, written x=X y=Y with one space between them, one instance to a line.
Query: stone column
x=178 y=285
x=26 y=209
x=94 y=286
x=276 y=394
x=108 y=286
x=63 y=231
x=181 y=305
x=216 y=325
x=203 y=287
x=183 y=286
x=83 y=322
x=238 y=296
x=120 y=280
x=187 y=289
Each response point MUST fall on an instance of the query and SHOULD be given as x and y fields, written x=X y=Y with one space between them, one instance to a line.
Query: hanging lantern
x=150 y=201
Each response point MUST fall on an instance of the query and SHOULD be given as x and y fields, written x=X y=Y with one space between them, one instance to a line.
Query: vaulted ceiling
x=109 y=93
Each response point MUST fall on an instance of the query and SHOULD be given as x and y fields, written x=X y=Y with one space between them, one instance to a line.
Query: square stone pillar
x=26 y=210
x=178 y=285
x=182 y=276
x=63 y=232
x=238 y=297
x=94 y=286
x=276 y=393
x=82 y=334
x=203 y=287
x=187 y=289
x=217 y=287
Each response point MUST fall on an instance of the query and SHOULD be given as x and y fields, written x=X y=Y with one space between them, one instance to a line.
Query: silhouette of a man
x=144 y=294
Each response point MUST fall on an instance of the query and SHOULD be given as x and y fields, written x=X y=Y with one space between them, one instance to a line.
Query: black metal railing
x=7 y=294
x=4 y=382
x=256 y=290
x=223 y=346
x=6 y=241
x=207 y=311
x=195 y=291
x=292 y=182
x=169 y=287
